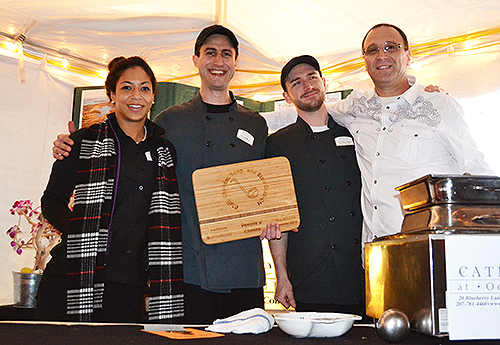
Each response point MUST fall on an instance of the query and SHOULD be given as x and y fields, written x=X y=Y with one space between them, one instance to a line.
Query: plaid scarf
x=95 y=193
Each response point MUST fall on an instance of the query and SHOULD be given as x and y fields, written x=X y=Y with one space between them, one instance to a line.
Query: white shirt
x=419 y=133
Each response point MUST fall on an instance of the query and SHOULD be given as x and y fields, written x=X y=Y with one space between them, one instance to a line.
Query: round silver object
x=422 y=321
x=393 y=326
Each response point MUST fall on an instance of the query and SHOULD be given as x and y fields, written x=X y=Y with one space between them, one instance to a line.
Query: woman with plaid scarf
x=122 y=240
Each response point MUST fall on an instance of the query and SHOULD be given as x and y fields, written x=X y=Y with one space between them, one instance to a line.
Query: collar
x=152 y=130
x=306 y=129
x=409 y=95
x=200 y=105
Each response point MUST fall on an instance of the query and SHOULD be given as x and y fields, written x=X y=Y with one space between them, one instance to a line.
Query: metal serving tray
x=453 y=217
x=450 y=189
x=408 y=272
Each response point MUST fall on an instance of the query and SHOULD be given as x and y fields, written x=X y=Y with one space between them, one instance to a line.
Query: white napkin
x=249 y=321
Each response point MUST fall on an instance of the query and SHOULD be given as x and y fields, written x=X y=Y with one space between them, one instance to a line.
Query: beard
x=311 y=105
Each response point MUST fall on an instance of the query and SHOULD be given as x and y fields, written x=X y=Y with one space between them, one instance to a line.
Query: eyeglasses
x=389 y=48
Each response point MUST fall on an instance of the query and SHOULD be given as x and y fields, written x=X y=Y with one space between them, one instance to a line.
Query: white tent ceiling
x=271 y=32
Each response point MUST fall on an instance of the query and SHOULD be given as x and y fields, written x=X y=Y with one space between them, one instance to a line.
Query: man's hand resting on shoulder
x=63 y=143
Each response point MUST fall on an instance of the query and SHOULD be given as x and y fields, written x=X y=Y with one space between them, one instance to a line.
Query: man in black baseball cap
x=304 y=71
x=213 y=129
x=311 y=273
x=215 y=30
x=307 y=59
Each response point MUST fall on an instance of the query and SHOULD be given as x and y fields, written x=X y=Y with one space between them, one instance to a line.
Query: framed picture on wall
x=90 y=105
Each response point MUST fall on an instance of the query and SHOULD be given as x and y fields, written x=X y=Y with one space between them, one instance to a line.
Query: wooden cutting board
x=238 y=200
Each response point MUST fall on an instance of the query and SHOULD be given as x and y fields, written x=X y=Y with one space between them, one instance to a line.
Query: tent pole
x=221 y=12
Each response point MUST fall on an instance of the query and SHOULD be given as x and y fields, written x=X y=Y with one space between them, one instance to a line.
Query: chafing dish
x=407 y=271
x=452 y=217
x=450 y=189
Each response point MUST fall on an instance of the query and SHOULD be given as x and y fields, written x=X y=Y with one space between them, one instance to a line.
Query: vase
x=25 y=289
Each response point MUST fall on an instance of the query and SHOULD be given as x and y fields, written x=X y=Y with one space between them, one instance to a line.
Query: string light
x=65 y=64
x=351 y=70
x=468 y=45
x=102 y=73
x=11 y=46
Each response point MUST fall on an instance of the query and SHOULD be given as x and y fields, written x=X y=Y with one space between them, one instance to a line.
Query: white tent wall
x=482 y=114
x=32 y=114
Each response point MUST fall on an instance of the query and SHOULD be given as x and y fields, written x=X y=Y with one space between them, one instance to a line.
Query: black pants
x=121 y=302
x=203 y=307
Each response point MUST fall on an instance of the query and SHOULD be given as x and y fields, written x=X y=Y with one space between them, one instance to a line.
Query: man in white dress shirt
x=401 y=132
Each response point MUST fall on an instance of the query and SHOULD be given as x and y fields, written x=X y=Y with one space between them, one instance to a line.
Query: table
x=34 y=333
x=11 y=312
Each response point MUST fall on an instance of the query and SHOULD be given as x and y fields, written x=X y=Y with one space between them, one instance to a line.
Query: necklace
x=145 y=135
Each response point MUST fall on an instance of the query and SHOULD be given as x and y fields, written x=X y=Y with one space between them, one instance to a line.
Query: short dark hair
x=308 y=59
x=215 y=30
x=119 y=65
x=401 y=32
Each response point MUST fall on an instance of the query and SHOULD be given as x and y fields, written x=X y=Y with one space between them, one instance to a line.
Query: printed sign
x=473 y=286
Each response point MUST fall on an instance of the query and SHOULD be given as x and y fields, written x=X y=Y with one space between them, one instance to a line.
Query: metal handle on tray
x=491 y=219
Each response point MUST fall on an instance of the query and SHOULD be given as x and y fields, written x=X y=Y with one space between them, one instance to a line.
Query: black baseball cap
x=308 y=59
x=214 y=30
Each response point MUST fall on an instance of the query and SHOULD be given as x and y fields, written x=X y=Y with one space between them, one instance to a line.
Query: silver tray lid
x=450 y=189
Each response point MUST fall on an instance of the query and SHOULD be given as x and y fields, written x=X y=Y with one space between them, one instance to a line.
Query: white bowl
x=316 y=325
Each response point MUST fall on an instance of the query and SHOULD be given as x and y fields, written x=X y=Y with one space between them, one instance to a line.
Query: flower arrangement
x=43 y=236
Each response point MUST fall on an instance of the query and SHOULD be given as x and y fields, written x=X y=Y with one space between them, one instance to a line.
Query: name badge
x=149 y=158
x=245 y=136
x=344 y=141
